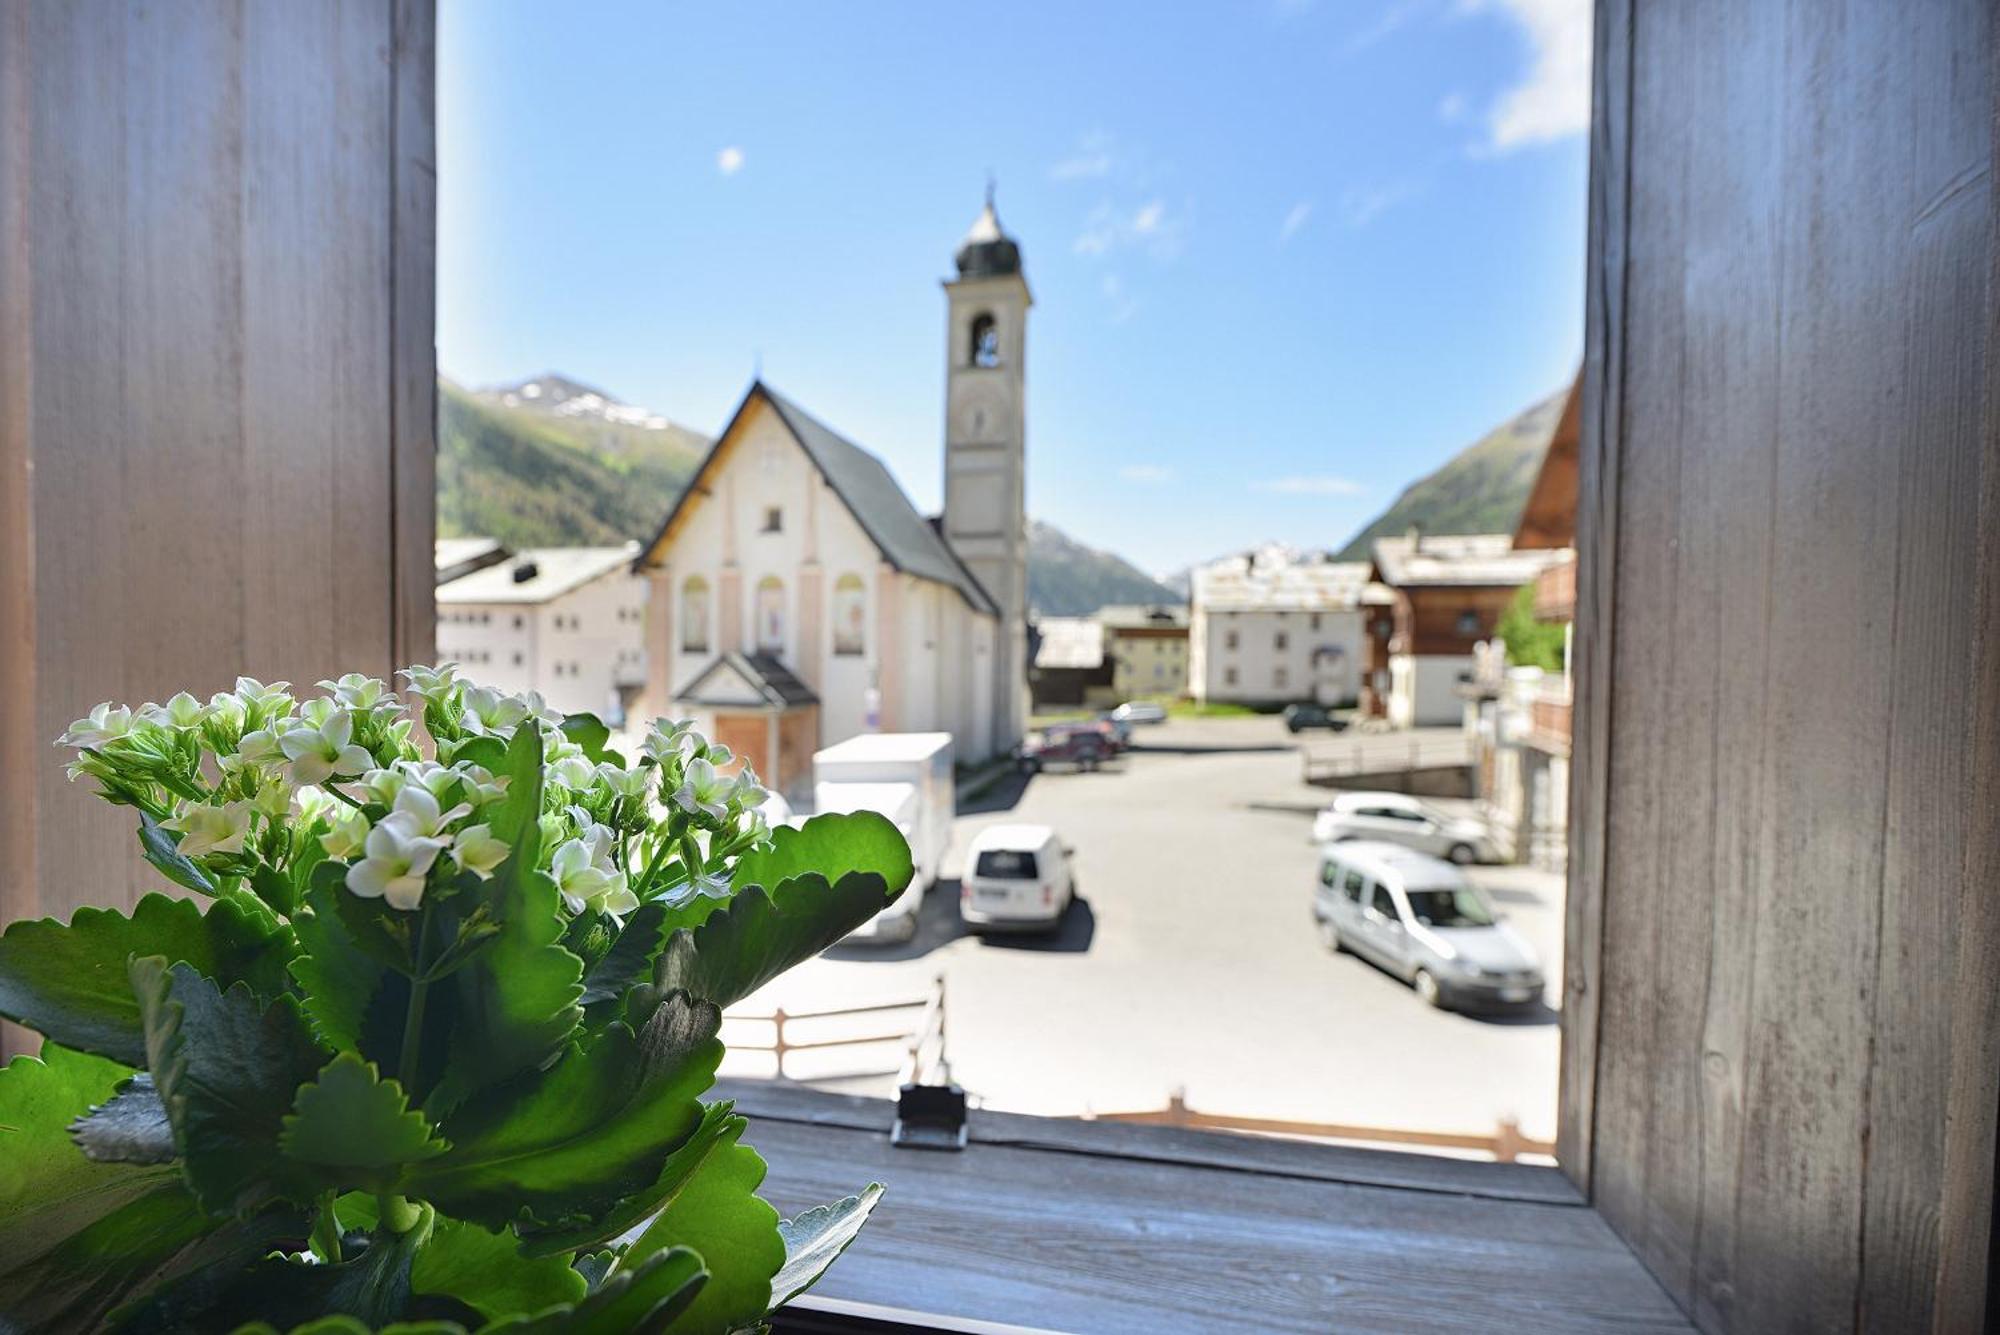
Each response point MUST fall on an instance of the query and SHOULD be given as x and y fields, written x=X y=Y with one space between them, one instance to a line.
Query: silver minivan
x=1419 y=918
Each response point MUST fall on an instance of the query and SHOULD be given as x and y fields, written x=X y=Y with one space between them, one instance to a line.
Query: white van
x=1419 y=918
x=1017 y=878
x=907 y=777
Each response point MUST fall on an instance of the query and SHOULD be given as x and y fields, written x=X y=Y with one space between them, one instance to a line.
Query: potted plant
x=433 y=1052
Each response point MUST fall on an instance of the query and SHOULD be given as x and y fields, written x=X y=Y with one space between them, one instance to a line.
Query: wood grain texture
x=217 y=441
x=1090 y=1227
x=1781 y=824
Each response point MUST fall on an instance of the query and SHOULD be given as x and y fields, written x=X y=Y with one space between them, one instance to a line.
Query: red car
x=1084 y=745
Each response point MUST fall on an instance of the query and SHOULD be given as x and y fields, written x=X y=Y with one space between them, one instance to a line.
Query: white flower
x=746 y=792
x=356 y=690
x=476 y=850
x=573 y=772
x=583 y=871
x=397 y=862
x=254 y=693
x=211 y=829
x=274 y=798
x=717 y=755
x=480 y=785
x=260 y=747
x=627 y=783
x=493 y=712
x=312 y=804
x=224 y=707
x=431 y=682
x=183 y=711
x=703 y=791
x=666 y=738
x=382 y=786
x=348 y=835
x=323 y=752
x=419 y=813
x=103 y=724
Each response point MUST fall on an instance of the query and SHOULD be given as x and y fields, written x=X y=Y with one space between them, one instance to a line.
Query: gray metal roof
x=987 y=251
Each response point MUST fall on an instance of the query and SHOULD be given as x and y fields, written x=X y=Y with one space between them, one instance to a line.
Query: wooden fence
x=1506 y=1143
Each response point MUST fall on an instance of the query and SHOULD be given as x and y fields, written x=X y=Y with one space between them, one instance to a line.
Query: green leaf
x=76 y=1236
x=717 y=1210
x=162 y=849
x=564 y=1145
x=347 y=1325
x=339 y=977
x=641 y=1301
x=630 y=959
x=488 y=1272
x=589 y=733
x=130 y=1128
x=489 y=753
x=69 y=982
x=227 y=1066
x=516 y=1001
x=761 y=933
x=833 y=846
x=815 y=1240
x=274 y=888
x=352 y=1129
x=638 y=1206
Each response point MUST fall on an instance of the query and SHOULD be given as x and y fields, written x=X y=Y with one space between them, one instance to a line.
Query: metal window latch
x=930 y=1106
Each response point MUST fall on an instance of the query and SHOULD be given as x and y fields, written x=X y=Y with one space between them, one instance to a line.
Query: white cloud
x=1091 y=159
x=1452 y=108
x=1398 y=13
x=1294 y=220
x=1151 y=225
x=729 y=161
x=1150 y=475
x=1553 y=100
x=1147 y=220
x=1323 y=485
x=1364 y=204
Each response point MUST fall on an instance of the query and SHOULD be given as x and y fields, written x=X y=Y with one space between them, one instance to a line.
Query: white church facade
x=797 y=597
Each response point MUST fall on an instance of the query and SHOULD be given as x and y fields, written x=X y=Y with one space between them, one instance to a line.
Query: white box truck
x=907 y=777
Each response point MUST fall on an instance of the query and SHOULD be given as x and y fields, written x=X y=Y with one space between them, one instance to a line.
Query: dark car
x=1300 y=717
x=1083 y=745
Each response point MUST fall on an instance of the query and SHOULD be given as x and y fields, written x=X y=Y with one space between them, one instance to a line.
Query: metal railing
x=1506 y=1143
x=785 y=1041
x=1380 y=754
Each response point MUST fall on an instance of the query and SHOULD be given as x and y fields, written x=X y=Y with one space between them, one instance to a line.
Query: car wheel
x=1427 y=989
x=1463 y=854
x=1329 y=936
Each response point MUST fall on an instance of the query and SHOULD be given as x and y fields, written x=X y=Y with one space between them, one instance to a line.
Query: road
x=1189 y=960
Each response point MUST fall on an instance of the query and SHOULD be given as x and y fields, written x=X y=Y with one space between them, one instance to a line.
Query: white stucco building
x=568 y=622
x=1275 y=626
x=799 y=598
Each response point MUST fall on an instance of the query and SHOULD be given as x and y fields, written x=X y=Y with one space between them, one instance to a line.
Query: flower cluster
x=259 y=787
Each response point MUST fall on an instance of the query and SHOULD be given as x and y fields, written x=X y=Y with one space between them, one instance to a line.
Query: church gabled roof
x=761 y=675
x=864 y=485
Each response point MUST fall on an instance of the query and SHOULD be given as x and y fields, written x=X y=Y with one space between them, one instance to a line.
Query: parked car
x=1080 y=745
x=1400 y=819
x=1017 y=878
x=1140 y=711
x=1300 y=717
x=1120 y=729
x=1419 y=918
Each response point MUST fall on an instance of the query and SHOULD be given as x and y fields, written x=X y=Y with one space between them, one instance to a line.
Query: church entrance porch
x=758 y=708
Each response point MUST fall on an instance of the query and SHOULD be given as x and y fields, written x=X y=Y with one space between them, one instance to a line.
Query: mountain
x=1480 y=490
x=553 y=463
x=1068 y=579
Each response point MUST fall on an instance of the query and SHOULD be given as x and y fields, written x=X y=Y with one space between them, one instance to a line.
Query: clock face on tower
x=982 y=415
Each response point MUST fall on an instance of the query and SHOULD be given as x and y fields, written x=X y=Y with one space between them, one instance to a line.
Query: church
x=796 y=596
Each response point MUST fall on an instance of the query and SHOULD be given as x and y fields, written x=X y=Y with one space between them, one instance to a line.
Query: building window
x=1279 y=678
x=774 y=519
x=985 y=340
x=1229 y=639
x=850 y=615
x=771 y=615
x=1229 y=676
x=694 y=615
x=1279 y=641
x=517 y=621
x=517 y=658
x=1468 y=624
x=1315 y=621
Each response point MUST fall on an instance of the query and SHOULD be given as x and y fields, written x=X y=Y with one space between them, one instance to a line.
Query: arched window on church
x=985 y=340
x=771 y=616
x=694 y=615
x=850 y=615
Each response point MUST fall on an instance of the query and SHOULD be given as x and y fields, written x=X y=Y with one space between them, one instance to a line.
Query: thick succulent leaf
x=488 y=1272
x=589 y=733
x=563 y=1146
x=227 y=1066
x=76 y=1236
x=630 y=959
x=516 y=1002
x=815 y=1239
x=761 y=933
x=69 y=982
x=354 y=1129
x=130 y=1127
x=718 y=1211
x=644 y=1300
x=347 y=1325
x=339 y=977
x=832 y=845
x=162 y=848
x=638 y=1206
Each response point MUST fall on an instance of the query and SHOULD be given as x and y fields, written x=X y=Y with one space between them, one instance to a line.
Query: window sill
x=1051 y=1224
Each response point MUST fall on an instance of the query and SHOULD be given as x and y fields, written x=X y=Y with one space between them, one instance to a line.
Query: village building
x=567 y=622
x=1070 y=669
x=799 y=598
x=1272 y=627
x=1147 y=645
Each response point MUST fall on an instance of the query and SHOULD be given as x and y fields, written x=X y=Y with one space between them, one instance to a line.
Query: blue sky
x=1287 y=256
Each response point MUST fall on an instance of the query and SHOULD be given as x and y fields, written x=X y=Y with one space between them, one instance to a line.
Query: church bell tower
x=985 y=446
